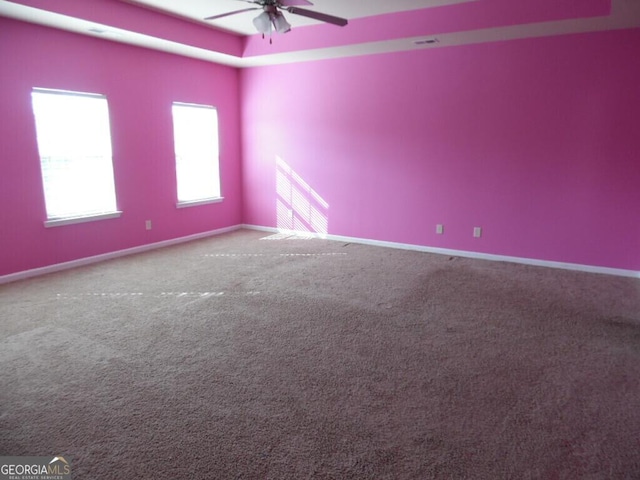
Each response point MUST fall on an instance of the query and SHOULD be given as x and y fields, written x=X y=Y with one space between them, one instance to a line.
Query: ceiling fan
x=273 y=18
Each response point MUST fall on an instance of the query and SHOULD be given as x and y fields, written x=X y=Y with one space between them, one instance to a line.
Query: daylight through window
x=74 y=142
x=195 y=130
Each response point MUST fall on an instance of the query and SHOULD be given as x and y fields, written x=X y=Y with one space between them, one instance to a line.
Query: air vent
x=426 y=41
x=102 y=31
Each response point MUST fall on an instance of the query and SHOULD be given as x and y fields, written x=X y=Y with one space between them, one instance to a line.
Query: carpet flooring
x=257 y=356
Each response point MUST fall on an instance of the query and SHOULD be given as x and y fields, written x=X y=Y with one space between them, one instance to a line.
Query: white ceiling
x=242 y=23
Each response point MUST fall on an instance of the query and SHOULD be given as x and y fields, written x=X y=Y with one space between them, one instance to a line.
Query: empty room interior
x=256 y=239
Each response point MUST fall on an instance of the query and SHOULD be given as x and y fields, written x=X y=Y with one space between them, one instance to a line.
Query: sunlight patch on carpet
x=245 y=255
x=103 y=295
x=290 y=236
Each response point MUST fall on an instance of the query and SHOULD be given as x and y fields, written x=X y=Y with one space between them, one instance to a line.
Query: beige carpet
x=239 y=357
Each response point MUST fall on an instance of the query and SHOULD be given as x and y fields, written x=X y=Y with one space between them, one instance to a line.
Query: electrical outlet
x=147 y=224
x=477 y=232
x=439 y=229
x=291 y=214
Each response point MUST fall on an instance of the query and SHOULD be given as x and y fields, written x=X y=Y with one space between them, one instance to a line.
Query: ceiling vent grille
x=426 y=41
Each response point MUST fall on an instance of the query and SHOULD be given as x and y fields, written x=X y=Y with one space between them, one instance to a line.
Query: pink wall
x=537 y=141
x=140 y=86
x=534 y=140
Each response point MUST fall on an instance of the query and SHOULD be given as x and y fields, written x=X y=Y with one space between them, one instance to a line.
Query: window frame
x=203 y=200
x=60 y=220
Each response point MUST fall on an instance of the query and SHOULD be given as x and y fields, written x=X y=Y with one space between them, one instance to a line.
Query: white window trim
x=83 y=219
x=90 y=217
x=204 y=201
x=195 y=203
x=57 y=91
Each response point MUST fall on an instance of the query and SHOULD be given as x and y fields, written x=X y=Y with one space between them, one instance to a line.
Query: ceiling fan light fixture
x=263 y=23
x=280 y=23
x=271 y=18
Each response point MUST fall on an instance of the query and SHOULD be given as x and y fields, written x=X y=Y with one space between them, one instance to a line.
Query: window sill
x=59 y=222
x=204 y=201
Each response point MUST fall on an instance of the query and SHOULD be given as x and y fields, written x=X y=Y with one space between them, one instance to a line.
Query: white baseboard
x=13 y=277
x=458 y=253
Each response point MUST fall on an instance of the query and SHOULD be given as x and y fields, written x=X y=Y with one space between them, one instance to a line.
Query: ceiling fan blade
x=323 y=17
x=292 y=3
x=214 y=17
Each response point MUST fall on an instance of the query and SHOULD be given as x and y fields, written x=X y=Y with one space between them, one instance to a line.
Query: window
x=74 y=142
x=195 y=132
